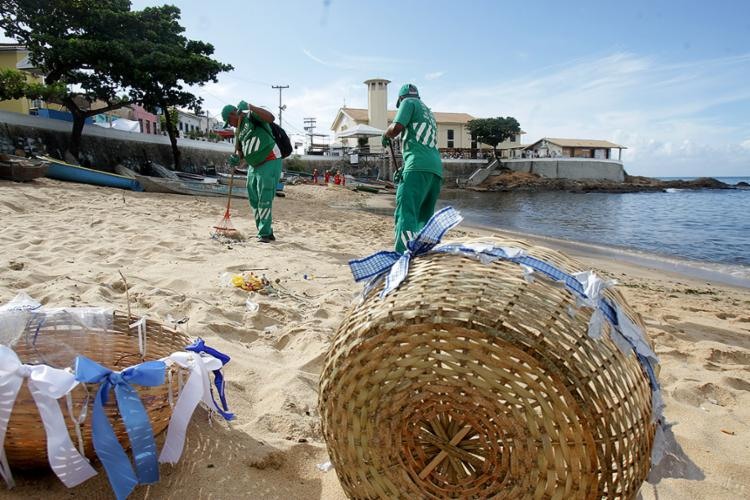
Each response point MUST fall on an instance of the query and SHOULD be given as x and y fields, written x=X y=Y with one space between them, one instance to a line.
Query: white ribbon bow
x=47 y=385
x=196 y=389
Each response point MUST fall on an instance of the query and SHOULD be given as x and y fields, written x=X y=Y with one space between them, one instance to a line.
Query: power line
x=281 y=108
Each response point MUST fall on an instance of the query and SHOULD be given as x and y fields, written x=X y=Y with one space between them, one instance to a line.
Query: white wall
x=570 y=168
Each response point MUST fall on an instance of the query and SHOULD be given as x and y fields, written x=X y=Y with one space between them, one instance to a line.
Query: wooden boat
x=164 y=172
x=185 y=176
x=74 y=173
x=18 y=169
x=125 y=171
x=162 y=185
x=366 y=189
x=238 y=179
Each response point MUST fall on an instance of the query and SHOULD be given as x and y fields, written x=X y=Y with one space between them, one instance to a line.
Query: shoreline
x=714 y=272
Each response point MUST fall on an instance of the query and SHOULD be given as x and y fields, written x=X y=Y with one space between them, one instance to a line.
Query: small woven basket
x=470 y=381
x=116 y=348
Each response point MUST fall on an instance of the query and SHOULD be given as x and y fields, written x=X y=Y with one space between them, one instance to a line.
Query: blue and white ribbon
x=586 y=287
x=196 y=389
x=396 y=264
x=200 y=346
x=46 y=385
x=119 y=469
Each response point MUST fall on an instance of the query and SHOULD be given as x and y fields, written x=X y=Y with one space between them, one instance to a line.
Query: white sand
x=65 y=243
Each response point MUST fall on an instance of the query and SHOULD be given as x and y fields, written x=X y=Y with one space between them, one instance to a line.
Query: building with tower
x=453 y=136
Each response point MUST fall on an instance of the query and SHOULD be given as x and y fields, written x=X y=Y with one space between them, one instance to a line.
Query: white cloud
x=357 y=62
x=434 y=75
x=745 y=144
x=323 y=103
x=664 y=113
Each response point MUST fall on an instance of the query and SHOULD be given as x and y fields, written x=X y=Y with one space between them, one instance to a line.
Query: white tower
x=377 y=107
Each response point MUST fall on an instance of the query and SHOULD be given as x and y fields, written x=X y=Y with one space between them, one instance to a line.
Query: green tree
x=14 y=84
x=493 y=131
x=84 y=45
x=171 y=63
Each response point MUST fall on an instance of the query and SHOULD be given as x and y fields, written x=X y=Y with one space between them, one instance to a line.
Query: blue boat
x=73 y=173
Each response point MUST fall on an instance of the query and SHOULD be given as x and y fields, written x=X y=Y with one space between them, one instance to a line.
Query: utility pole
x=310 y=128
x=281 y=108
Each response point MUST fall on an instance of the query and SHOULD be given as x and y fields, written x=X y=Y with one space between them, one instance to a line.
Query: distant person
x=315 y=176
x=256 y=145
x=337 y=178
x=422 y=171
x=327 y=176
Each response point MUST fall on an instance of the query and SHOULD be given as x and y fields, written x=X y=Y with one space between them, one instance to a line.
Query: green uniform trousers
x=416 y=196
x=261 y=190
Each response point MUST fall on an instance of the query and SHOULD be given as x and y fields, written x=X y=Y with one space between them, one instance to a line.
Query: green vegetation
x=493 y=131
x=93 y=50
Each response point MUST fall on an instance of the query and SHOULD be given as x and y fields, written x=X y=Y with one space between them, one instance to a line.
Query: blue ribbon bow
x=134 y=416
x=200 y=346
x=377 y=264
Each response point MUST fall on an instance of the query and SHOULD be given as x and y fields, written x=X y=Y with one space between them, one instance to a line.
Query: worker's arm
x=394 y=130
x=261 y=113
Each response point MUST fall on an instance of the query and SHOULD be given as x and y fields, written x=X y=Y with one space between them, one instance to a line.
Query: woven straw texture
x=117 y=348
x=469 y=381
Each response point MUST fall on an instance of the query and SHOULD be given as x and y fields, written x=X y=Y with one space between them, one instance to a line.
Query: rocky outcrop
x=520 y=181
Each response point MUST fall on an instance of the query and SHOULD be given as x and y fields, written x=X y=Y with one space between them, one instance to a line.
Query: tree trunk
x=79 y=120
x=172 y=137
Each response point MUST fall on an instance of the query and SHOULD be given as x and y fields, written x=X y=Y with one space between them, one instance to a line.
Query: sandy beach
x=64 y=245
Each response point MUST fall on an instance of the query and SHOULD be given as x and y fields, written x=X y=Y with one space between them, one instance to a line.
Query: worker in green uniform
x=422 y=171
x=256 y=145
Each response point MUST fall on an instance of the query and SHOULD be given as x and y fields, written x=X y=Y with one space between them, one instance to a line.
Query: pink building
x=149 y=121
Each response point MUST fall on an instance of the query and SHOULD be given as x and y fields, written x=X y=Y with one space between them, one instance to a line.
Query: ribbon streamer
x=200 y=346
x=46 y=385
x=197 y=389
x=397 y=264
x=134 y=416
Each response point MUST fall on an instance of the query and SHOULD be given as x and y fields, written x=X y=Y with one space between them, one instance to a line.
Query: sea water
x=707 y=228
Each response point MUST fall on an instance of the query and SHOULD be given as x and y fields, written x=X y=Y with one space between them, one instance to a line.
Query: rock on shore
x=521 y=181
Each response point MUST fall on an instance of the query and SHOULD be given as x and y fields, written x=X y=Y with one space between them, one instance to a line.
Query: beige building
x=550 y=147
x=452 y=132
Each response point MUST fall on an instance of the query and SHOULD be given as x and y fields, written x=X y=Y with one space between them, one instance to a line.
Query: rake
x=225 y=228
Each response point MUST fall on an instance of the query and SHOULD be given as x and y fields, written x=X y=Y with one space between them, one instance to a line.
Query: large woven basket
x=116 y=348
x=471 y=381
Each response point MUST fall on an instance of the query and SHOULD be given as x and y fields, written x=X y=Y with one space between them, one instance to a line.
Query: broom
x=225 y=228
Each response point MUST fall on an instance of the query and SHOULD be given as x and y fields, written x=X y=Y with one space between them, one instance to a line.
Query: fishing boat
x=162 y=185
x=238 y=178
x=186 y=176
x=63 y=171
x=367 y=189
x=15 y=168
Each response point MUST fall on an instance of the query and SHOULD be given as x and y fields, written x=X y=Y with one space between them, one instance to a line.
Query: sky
x=668 y=79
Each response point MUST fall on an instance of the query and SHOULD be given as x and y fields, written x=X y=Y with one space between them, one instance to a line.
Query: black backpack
x=282 y=140
x=279 y=136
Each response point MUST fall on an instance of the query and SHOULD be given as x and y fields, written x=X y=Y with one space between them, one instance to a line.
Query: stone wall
x=569 y=168
x=104 y=148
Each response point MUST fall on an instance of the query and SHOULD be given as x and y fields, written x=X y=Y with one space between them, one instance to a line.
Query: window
x=148 y=127
x=140 y=122
x=450 y=137
x=180 y=126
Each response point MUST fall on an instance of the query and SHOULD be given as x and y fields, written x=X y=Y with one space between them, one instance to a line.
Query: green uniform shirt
x=419 y=138
x=255 y=139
